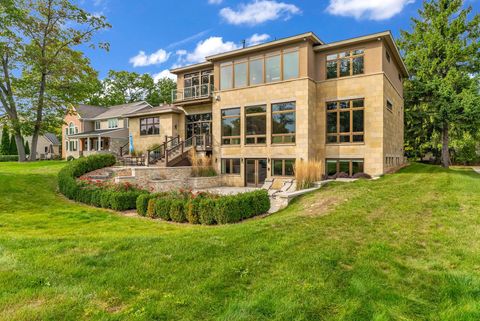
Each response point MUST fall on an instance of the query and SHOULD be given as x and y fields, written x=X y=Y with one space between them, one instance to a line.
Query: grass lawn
x=405 y=247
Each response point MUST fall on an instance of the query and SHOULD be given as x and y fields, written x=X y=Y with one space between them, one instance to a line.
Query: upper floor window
x=347 y=63
x=226 y=75
x=72 y=130
x=240 y=72
x=149 y=126
x=256 y=124
x=283 y=123
x=97 y=125
x=256 y=71
x=389 y=105
x=113 y=123
x=272 y=68
x=388 y=55
x=231 y=123
x=345 y=121
x=290 y=65
x=197 y=84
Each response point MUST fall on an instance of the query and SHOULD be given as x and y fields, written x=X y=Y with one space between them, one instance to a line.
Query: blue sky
x=152 y=36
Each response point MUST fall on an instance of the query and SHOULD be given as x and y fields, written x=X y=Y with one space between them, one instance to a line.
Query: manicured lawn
x=405 y=247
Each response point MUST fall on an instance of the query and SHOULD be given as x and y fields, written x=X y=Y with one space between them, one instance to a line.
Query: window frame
x=147 y=124
x=223 y=65
x=231 y=138
x=97 y=122
x=283 y=160
x=350 y=165
x=290 y=51
x=280 y=67
x=231 y=163
x=389 y=105
x=234 y=73
x=341 y=56
x=251 y=115
x=112 y=123
x=338 y=111
x=283 y=135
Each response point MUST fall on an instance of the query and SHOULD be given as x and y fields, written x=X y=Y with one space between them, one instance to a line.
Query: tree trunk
x=445 y=141
x=39 y=118
x=20 y=147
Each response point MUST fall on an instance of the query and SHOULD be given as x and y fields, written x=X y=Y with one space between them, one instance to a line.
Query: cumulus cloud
x=258 y=11
x=367 y=9
x=215 y=1
x=208 y=47
x=256 y=39
x=142 y=59
x=164 y=74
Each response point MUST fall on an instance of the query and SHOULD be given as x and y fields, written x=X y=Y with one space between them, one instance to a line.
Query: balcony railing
x=194 y=92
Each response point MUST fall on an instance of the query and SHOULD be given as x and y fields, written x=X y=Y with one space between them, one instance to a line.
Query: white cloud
x=164 y=74
x=367 y=9
x=208 y=47
x=215 y=1
x=256 y=39
x=142 y=59
x=181 y=52
x=259 y=11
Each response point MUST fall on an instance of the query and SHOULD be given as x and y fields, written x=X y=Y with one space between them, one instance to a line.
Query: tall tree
x=442 y=55
x=122 y=87
x=5 y=142
x=52 y=73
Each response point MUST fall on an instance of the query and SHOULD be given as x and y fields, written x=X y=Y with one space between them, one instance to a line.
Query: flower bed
x=203 y=208
x=118 y=197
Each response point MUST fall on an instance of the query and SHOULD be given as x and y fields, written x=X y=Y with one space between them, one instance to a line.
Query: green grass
x=405 y=247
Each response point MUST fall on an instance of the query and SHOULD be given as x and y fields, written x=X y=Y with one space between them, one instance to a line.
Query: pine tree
x=442 y=53
x=13 y=146
x=5 y=143
x=27 y=148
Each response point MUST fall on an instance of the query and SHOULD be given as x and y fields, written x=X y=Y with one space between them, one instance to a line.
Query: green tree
x=46 y=72
x=442 y=55
x=12 y=150
x=27 y=148
x=122 y=87
x=5 y=143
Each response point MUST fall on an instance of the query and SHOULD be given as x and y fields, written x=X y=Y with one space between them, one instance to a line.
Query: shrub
x=70 y=158
x=342 y=175
x=177 y=210
x=162 y=208
x=362 y=175
x=151 y=208
x=8 y=158
x=143 y=201
x=122 y=201
x=105 y=199
x=228 y=209
x=206 y=211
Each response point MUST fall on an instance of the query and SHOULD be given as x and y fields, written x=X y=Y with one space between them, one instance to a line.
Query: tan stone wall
x=169 y=124
x=392 y=70
x=369 y=87
x=393 y=128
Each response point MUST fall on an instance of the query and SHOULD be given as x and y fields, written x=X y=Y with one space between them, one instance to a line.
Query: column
x=99 y=141
x=88 y=144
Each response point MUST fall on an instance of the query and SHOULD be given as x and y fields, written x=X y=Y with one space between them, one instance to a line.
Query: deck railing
x=194 y=92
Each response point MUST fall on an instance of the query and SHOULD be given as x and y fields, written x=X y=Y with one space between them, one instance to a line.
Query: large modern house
x=257 y=109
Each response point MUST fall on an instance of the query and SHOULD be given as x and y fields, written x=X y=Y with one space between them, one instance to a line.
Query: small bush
x=151 y=208
x=342 y=175
x=162 y=208
x=8 y=158
x=206 y=211
x=122 y=201
x=177 y=211
x=70 y=158
x=362 y=175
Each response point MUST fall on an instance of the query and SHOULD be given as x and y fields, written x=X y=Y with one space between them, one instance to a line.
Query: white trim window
x=113 y=123
x=97 y=125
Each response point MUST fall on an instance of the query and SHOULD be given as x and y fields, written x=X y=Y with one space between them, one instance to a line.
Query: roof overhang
x=103 y=133
x=154 y=112
x=199 y=66
x=284 y=41
x=385 y=35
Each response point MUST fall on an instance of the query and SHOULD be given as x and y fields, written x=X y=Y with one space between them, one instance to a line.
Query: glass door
x=255 y=172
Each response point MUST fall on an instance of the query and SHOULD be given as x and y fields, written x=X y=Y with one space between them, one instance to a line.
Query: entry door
x=255 y=172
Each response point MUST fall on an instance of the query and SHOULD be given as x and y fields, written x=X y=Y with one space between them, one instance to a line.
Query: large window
x=346 y=63
x=240 y=74
x=72 y=130
x=345 y=166
x=149 y=126
x=256 y=71
x=197 y=84
x=272 y=68
x=283 y=123
x=231 y=126
x=198 y=124
x=97 y=124
x=290 y=65
x=231 y=166
x=256 y=124
x=226 y=76
x=345 y=121
x=283 y=167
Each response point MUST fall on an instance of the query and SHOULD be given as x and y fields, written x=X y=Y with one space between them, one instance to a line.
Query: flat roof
x=165 y=109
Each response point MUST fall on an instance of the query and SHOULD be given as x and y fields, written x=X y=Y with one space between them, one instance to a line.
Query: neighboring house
x=48 y=145
x=92 y=129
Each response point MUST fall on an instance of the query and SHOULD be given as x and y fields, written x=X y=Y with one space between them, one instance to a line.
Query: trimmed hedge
x=119 y=200
x=8 y=158
x=207 y=209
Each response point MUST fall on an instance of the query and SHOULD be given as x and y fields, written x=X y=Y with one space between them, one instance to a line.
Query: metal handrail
x=193 y=92
x=123 y=147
